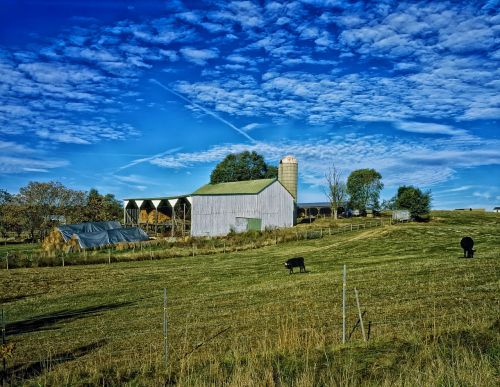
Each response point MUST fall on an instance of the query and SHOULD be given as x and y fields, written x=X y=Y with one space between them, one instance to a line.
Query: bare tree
x=336 y=189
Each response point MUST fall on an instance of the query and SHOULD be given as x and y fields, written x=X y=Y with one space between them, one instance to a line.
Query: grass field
x=240 y=319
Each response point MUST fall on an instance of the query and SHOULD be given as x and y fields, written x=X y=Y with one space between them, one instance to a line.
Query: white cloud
x=429 y=128
x=198 y=56
x=249 y=127
x=399 y=161
x=15 y=164
x=484 y=195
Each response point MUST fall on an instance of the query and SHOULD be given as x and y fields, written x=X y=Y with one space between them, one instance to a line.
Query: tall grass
x=434 y=315
x=15 y=256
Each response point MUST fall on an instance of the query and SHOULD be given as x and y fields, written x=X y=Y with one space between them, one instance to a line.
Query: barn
x=218 y=209
x=241 y=206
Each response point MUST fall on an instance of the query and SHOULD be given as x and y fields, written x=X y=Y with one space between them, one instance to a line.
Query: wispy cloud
x=429 y=128
x=198 y=56
x=399 y=161
x=205 y=110
x=147 y=159
x=484 y=195
x=18 y=164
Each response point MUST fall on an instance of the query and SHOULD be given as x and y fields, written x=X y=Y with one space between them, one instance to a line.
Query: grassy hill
x=240 y=319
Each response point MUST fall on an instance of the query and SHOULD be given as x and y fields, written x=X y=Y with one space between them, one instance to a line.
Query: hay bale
x=143 y=216
x=54 y=244
x=149 y=216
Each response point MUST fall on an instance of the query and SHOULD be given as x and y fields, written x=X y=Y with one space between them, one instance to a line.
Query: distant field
x=435 y=317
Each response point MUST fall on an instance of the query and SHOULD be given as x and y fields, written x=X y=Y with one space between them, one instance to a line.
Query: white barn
x=241 y=206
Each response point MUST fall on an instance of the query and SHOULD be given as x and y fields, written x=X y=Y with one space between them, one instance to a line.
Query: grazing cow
x=467 y=244
x=295 y=262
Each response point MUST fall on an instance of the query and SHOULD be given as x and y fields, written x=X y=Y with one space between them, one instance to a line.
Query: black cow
x=295 y=262
x=467 y=244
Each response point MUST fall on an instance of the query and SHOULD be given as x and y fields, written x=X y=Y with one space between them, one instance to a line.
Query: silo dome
x=288 y=160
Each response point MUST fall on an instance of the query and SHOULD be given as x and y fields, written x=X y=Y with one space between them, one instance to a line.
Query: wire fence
x=169 y=248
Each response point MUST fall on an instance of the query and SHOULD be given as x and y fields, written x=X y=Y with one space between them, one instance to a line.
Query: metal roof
x=314 y=205
x=247 y=187
x=160 y=198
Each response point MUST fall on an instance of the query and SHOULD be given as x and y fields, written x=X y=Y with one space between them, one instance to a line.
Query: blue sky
x=142 y=99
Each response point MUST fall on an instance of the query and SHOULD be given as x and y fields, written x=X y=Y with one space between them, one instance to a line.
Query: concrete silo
x=288 y=173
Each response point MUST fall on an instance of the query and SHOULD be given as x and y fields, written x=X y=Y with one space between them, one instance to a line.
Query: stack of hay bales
x=162 y=218
x=73 y=245
x=54 y=243
x=150 y=217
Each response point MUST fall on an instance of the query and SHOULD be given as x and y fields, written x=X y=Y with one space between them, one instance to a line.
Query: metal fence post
x=4 y=361
x=344 y=285
x=165 y=326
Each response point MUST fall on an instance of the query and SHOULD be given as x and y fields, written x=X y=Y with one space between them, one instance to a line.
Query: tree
x=14 y=218
x=100 y=208
x=5 y=199
x=363 y=187
x=336 y=189
x=413 y=199
x=242 y=166
x=43 y=202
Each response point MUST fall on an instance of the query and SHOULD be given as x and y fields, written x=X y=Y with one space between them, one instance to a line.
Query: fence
x=168 y=248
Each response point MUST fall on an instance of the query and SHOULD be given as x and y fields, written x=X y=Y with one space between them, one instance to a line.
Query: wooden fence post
x=7 y=260
x=344 y=285
x=360 y=315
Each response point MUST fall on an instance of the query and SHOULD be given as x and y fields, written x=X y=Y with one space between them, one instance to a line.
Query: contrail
x=140 y=161
x=209 y=112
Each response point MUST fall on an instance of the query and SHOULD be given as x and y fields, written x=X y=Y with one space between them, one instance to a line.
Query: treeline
x=38 y=207
x=362 y=192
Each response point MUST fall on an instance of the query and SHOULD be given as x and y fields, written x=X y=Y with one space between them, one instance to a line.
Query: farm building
x=401 y=215
x=217 y=209
x=240 y=206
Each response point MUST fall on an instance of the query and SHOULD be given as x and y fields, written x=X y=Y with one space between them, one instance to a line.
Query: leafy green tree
x=5 y=199
x=113 y=209
x=242 y=166
x=100 y=208
x=413 y=199
x=363 y=187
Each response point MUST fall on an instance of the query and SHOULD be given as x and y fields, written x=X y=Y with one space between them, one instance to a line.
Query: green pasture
x=239 y=319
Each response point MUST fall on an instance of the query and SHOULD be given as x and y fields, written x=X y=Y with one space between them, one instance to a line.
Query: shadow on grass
x=48 y=321
x=28 y=370
x=6 y=300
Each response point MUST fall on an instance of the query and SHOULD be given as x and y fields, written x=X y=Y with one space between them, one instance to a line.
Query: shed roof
x=160 y=198
x=247 y=187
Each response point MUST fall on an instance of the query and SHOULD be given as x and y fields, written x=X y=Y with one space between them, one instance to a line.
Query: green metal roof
x=247 y=187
